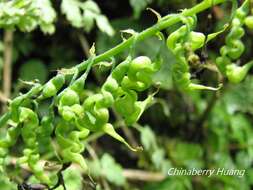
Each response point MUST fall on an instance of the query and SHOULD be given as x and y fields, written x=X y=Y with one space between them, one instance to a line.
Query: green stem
x=4 y=119
x=164 y=23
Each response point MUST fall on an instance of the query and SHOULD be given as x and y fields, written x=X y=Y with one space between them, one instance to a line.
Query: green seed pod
x=139 y=75
x=178 y=42
x=249 y=22
x=29 y=135
x=196 y=40
x=53 y=86
x=71 y=112
x=70 y=143
x=119 y=91
x=236 y=73
x=234 y=47
x=9 y=140
x=45 y=131
x=69 y=98
x=49 y=90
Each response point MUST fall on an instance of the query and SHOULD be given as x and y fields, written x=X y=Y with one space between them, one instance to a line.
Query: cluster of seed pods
x=75 y=117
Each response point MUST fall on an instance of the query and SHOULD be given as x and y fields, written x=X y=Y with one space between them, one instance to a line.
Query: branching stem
x=164 y=23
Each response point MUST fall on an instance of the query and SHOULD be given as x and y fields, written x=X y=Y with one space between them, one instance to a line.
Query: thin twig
x=7 y=64
x=95 y=157
x=140 y=175
x=85 y=44
x=7 y=59
x=201 y=120
x=208 y=109
x=86 y=49
x=129 y=135
x=130 y=174
x=3 y=99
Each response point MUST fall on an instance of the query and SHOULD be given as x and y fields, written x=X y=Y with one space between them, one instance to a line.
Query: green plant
x=85 y=14
x=183 y=42
x=234 y=47
x=27 y=15
x=79 y=114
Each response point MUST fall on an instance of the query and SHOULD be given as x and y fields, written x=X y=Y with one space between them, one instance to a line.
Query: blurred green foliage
x=85 y=14
x=27 y=15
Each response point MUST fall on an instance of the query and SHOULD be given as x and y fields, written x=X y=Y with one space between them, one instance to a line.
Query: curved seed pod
x=96 y=118
x=14 y=107
x=236 y=73
x=179 y=42
x=139 y=74
x=53 y=86
x=30 y=122
x=9 y=140
x=196 y=40
x=234 y=47
x=108 y=129
x=17 y=102
x=119 y=91
x=129 y=108
x=45 y=131
x=249 y=22
x=70 y=143
x=71 y=111
x=138 y=78
x=67 y=100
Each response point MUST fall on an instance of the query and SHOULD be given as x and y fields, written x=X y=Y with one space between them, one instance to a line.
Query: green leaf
x=138 y=6
x=27 y=15
x=91 y=6
x=112 y=171
x=47 y=16
x=250 y=176
x=73 y=179
x=104 y=25
x=164 y=75
x=148 y=138
x=6 y=183
x=177 y=183
x=95 y=167
x=104 y=42
x=72 y=11
x=239 y=97
x=214 y=35
x=33 y=69
x=187 y=154
x=223 y=160
x=239 y=125
x=88 y=20
x=158 y=157
x=243 y=160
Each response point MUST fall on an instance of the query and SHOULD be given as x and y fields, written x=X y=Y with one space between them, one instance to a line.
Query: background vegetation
x=199 y=129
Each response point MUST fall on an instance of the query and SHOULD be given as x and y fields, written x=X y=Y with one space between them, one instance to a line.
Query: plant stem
x=163 y=24
x=3 y=98
x=95 y=158
x=85 y=46
x=127 y=132
x=86 y=49
x=7 y=59
x=140 y=175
